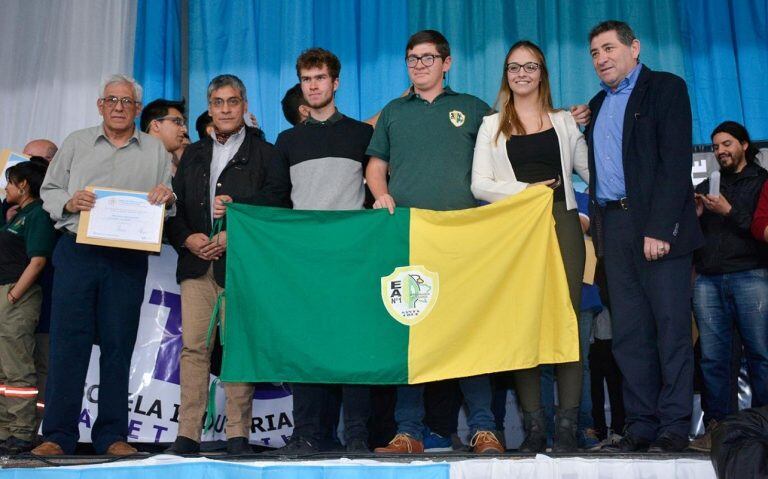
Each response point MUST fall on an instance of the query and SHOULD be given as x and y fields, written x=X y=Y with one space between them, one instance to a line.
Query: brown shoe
x=402 y=444
x=704 y=443
x=48 y=448
x=121 y=448
x=485 y=442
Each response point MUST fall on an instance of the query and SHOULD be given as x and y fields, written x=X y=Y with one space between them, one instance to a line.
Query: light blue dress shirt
x=607 y=137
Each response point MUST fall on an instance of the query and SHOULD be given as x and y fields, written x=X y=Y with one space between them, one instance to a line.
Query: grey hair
x=120 y=78
x=227 y=80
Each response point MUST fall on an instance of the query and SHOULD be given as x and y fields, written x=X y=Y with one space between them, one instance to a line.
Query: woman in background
x=26 y=243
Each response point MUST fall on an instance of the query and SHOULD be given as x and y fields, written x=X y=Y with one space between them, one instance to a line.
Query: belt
x=622 y=204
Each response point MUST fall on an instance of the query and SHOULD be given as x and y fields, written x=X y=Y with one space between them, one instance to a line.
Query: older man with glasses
x=97 y=291
x=234 y=163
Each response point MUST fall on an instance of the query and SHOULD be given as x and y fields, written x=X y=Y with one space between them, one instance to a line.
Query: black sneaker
x=669 y=442
x=14 y=446
x=629 y=443
x=237 y=446
x=298 y=446
x=358 y=446
x=183 y=445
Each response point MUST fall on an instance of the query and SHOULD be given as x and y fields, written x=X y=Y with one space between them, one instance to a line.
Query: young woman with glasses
x=528 y=143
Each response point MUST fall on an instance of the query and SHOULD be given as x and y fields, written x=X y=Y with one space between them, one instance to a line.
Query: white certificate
x=124 y=219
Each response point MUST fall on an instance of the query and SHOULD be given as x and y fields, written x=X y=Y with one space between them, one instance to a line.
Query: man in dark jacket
x=645 y=225
x=233 y=164
x=732 y=284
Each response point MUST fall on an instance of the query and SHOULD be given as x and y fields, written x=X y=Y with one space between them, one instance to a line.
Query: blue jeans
x=722 y=302
x=409 y=410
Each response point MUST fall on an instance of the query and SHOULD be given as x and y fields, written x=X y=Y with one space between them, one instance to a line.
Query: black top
x=536 y=157
x=730 y=246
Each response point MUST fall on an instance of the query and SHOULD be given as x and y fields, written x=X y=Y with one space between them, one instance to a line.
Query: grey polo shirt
x=88 y=158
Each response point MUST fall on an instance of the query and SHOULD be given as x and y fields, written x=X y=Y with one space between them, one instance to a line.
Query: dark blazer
x=656 y=154
x=257 y=174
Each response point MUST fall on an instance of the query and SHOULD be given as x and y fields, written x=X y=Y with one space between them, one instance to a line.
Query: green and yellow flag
x=365 y=297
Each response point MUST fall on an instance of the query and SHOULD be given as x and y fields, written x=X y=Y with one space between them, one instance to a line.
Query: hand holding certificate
x=122 y=219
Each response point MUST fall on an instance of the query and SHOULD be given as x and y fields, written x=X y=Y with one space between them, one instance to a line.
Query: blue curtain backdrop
x=726 y=46
x=718 y=46
x=157 y=51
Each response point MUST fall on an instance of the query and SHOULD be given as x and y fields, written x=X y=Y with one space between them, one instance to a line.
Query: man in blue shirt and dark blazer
x=645 y=226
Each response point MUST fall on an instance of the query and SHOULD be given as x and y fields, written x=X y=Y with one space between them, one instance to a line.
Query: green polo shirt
x=30 y=233
x=429 y=148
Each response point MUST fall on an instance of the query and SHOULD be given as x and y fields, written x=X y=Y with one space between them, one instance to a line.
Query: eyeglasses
x=426 y=60
x=530 y=67
x=233 y=101
x=112 y=101
x=176 y=120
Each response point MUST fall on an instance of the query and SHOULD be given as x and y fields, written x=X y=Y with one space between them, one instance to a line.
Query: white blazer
x=492 y=176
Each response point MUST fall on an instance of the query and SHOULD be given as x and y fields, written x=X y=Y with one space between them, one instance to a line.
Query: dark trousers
x=97 y=292
x=382 y=426
x=604 y=371
x=651 y=313
x=310 y=402
x=442 y=402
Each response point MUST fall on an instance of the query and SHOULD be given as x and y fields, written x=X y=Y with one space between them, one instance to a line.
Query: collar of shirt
x=446 y=91
x=330 y=121
x=103 y=134
x=231 y=138
x=31 y=205
x=627 y=83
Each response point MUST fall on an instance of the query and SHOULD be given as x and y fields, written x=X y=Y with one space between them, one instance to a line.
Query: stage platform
x=332 y=466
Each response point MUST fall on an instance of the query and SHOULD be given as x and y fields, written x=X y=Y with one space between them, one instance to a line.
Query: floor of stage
x=453 y=465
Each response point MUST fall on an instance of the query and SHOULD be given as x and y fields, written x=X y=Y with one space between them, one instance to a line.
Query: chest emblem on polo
x=16 y=227
x=457 y=118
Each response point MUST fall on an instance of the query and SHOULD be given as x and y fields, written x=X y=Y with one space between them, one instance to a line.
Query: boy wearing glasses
x=425 y=141
x=234 y=163
x=164 y=119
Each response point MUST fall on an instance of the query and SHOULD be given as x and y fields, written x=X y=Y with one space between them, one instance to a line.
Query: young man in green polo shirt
x=425 y=142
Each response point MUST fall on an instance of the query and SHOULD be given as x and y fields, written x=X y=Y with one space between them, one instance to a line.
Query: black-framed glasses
x=233 y=101
x=426 y=60
x=530 y=67
x=176 y=120
x=112 y=101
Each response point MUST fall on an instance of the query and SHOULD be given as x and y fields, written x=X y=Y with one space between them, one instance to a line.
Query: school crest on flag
x=410 y=293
